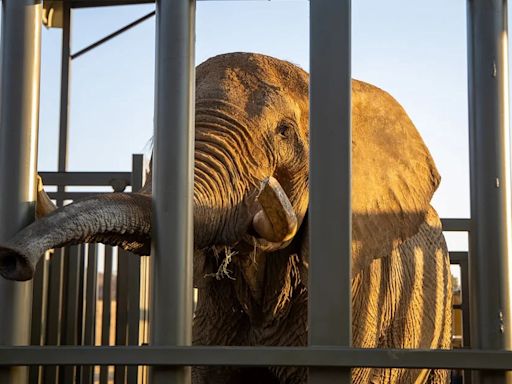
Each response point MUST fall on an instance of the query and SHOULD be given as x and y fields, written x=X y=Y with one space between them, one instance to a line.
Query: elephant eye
x=284 y=129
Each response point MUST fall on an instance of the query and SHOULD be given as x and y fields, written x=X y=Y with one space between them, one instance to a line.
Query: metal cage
x=329 y=354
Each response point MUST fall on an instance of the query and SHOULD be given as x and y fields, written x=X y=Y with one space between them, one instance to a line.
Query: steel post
x=171 y=300
x=19 y=114
x=330 y=182
x=58 y=269
x=489 y=138
x=64 y=92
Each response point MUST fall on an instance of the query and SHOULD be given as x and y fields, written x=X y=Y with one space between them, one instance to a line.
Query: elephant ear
x=393 y=175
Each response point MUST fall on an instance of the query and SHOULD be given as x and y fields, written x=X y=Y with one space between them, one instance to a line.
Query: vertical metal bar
x=137 y=179
x=489 y=139
x=134 y=291
x=330 y=182
x=464 y=285
x=122 y=296
x=90 y=309
x=81 y=294
x=143 y=332
x=39 y=314
x=57 y=271
x=63 y=156
x=173 y=182
x=38 y=302
x=134 y=273
x=64 y=93
x=466 y=328
x=55 y=293
x=70 y=321
x=19 y=120
x=122 y=309
x=106 y=296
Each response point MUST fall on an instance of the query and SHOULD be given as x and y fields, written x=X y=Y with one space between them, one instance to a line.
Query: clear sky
x=415 y=50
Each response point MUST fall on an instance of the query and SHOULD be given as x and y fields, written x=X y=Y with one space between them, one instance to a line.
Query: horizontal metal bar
x=456 y=225
x=458 y=257
x=61 y=196
x=106 y=3
x=84 y=178
x=257 y=356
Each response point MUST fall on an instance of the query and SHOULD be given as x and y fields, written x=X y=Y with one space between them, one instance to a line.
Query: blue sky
x=414 y=50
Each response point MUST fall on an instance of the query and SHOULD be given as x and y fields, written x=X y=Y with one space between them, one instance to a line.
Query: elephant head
x=251 y=172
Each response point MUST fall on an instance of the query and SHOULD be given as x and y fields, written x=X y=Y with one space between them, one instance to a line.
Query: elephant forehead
x=247 y=92
x=252 y=82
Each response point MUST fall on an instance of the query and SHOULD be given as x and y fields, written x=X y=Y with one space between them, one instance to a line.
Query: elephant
x=251 y=247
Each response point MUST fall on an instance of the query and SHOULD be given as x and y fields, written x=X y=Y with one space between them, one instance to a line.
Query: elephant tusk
x=44 y=205
x=276 y=221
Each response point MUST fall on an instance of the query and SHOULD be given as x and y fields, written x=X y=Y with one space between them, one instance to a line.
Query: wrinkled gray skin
x=251 y=123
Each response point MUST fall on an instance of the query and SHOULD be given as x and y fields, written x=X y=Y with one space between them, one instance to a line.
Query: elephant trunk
x=119 y=219
x=124 y=219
